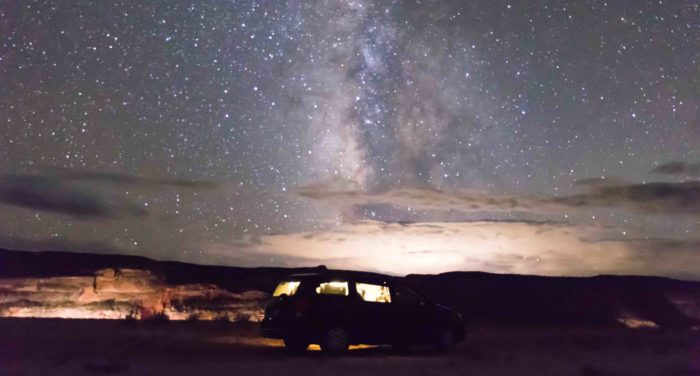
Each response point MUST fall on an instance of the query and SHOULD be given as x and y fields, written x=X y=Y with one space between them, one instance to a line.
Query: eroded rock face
x=124 y=293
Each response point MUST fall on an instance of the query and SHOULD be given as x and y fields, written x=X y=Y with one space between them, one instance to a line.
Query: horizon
x=326 y=267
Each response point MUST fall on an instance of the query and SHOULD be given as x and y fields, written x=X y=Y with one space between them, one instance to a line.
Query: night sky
x=535 y=137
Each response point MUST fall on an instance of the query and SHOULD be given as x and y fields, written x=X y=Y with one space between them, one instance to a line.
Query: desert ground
x=95 y=347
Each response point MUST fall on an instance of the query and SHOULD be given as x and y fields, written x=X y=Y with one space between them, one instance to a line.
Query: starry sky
x=534 y=137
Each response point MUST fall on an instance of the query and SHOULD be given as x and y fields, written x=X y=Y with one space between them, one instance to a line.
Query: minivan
x=339 y=309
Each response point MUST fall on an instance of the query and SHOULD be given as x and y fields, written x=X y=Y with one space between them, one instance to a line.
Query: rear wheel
x=445 y=339
x=335 y=340
x=295 y=344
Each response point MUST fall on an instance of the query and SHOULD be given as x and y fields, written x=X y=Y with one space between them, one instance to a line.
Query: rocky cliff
x=125 y=293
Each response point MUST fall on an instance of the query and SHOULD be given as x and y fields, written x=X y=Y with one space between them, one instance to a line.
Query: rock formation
x=125 y=293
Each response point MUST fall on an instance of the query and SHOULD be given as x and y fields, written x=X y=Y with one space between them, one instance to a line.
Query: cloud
x=85 y=194
x=652 y=198
x=53 y=195
x=419 y=199
x=498 y=247
x=600 y=182
x=664 y=257
x=678 y=168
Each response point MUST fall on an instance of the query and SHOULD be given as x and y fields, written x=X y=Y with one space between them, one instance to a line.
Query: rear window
x=406 y=296
x=373 y=293
x=287 y=288
x=332 y=288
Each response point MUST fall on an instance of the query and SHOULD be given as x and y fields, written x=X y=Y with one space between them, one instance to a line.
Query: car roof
x=345 y=274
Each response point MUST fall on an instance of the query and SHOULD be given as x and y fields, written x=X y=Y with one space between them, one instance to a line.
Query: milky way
x=234 y=132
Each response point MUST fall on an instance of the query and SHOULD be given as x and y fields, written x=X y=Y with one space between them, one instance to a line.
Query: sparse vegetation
x=133 y=314
x=242 y=317
x=193 y=317
x=223 y=318
x=159 y=317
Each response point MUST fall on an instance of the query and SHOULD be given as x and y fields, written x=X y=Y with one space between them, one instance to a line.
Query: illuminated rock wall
x=124 y=293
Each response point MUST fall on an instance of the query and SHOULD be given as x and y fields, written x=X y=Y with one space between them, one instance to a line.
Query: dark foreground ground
x=102 y=347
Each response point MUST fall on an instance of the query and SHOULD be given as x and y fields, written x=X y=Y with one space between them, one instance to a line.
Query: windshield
x=288 y=288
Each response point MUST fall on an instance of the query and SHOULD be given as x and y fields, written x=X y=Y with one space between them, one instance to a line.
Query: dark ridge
x=481 y=298
x=600 y=300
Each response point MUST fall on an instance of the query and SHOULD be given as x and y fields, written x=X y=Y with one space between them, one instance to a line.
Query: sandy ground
x=87 y=347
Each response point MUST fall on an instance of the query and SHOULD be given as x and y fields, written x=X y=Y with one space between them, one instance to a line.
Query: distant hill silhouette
x=482 y=298
x=600 y=300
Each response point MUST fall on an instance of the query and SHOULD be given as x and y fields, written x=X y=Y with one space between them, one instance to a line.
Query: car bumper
x=271 y=329
x=283 y=328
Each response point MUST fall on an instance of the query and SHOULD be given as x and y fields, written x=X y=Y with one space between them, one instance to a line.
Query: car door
x=411 y=314
x=373 y=310
x=331 y=303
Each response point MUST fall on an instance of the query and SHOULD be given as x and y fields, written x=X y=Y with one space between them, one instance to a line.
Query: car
x=339 y=309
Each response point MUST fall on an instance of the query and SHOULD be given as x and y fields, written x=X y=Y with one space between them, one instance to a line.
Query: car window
x=406 y=296
x=288 y=288
x=332 y=288
x=373 y=293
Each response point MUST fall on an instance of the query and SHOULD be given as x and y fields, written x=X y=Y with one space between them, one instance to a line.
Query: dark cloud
x=49 y=194
x=655 y=198
x=678 y=168
x=84 y=194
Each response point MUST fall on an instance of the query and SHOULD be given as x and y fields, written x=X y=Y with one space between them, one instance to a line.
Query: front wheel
x=445 y=340
x=335 y=340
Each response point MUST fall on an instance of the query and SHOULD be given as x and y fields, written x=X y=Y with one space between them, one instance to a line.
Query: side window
x=373 y=293
x=288 y=288
x=332 y=288
x=406 y=296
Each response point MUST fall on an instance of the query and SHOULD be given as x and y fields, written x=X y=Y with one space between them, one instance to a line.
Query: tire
x=295 y=344
x=445 y=340
x=335 y=340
